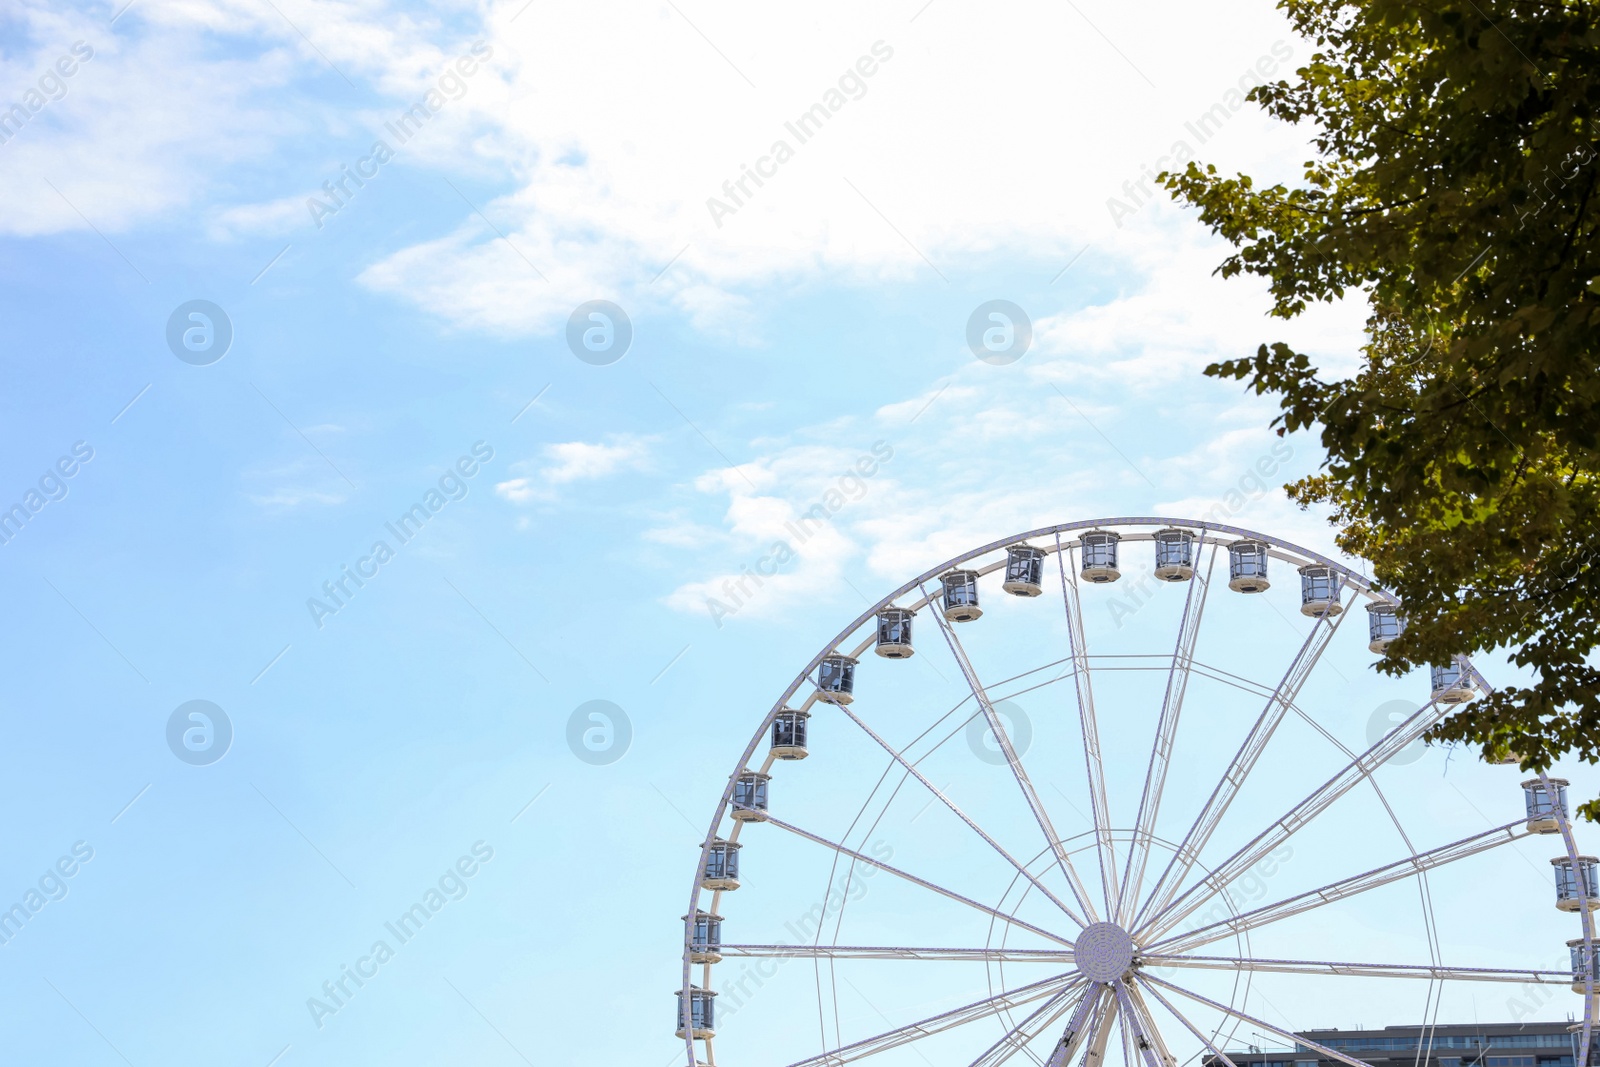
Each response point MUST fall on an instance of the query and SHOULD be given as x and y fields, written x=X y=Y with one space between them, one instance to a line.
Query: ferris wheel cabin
x=1174 y=555
x=1450 y=684
x=705 y=939
x=702 y=1005
x=1319 y=591
x=1580 y=973
x=750 y=797
x=1383 y=625
x=789 y=734
x=1547 y=808
x=1247 y=567
x=722 y=866
x=1568 y=897
x=894 y=633
x=961 y=596
x=836 y=679
x=1024 y=571
x=1100 y=557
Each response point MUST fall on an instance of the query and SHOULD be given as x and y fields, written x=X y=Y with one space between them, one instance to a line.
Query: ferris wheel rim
x=1353 y=578
x=1136 y=1015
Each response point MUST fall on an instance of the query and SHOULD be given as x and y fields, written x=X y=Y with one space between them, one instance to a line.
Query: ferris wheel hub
x=1103 y=952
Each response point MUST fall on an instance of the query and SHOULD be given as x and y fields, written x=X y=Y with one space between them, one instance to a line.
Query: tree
x=1454 y=187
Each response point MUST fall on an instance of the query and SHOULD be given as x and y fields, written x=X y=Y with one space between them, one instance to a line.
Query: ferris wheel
x=1093 y=936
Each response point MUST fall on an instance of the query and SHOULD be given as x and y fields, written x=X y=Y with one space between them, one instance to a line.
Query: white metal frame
x=1092 y=1007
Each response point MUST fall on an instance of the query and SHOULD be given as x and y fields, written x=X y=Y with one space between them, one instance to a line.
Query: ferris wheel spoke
x=1145 y=1037
x=1030 y=794
x=1029 y=1029
x=1349 y=887
x=1194 y=607
x=918 y=775
x=1294 y=1040
x=1191 y=1027
x=914 y=880
x=1353 y=774
x=1365 y=970
x=1149 y=1018
x=936 y=1024
x=1127 y=1037
x=1167 y=1058
x=1233 y=779
x=1083 y=1026
x=898 y=952
x=1096 y=1038
x=1089 y=725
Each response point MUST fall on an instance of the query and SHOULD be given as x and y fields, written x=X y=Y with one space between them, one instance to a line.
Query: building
x=1527 y=1044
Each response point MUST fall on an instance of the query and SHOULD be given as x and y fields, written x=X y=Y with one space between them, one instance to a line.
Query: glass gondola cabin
x=705 y=937
x=1024 y=571
x=1247 y=567
x=750 y=797
x=1568 y=896
x=1383 y=626
x=961 y=596
x=789 y=734
x=702 y=1005
x=1450 y=685
x=1100 y=557
x=894 y=633
x=836 y=679
x=1580 y=973
x=1546 y=807
x=1319 y=591
x=1174 y=555
x=722 y=866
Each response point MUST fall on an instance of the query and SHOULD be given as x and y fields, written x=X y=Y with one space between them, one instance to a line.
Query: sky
x=398 y=380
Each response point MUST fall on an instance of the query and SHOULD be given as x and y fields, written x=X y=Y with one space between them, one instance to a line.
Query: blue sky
x=987 y=156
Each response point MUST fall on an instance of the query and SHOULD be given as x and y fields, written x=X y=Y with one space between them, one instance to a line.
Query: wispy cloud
x=1128 y=404
x=186 y=105
x=297 y=484
x=573 y=461
x=272 y=216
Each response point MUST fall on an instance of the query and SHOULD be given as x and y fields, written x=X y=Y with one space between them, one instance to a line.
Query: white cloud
x=297 y=483
x=573 y=461
x=1110 y=416
x=1183 y=317
x=272 y=216
x=928 y=503
x=578 y=461
x=520 y=490
x=974 y=138
x=787 y=529
x=183 y=101
x=982 y=138
x=144 y=123
x=294 y=497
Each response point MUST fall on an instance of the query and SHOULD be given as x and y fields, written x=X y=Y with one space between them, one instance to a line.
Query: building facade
x=1527 y=1044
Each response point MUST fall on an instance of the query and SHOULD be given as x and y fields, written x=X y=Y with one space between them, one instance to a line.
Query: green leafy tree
x=1454 y=187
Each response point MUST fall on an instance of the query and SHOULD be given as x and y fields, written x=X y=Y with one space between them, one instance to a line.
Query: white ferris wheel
x=1084 y=935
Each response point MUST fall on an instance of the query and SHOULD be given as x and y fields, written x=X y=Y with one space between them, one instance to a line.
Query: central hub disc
x=1103 y=952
